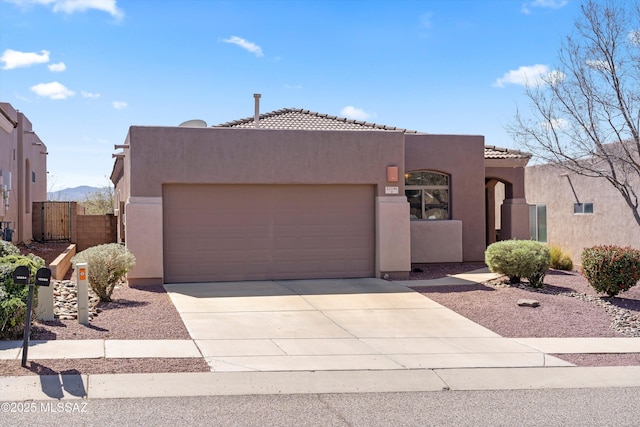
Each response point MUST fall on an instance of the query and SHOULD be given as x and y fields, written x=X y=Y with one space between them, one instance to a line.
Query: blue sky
x=83 y=71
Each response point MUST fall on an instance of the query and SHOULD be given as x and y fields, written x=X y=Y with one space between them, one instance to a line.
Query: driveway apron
x=337 y=324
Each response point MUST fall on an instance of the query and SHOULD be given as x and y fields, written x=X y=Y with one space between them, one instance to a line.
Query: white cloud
x=119 y=105
x=557 y=124
x=72 y=6
x=53 y=90
x=354 y=113
x=247 y=45
x=56 y=68
x=634 y=37
x=89 y=94
x=554 y=77
x=524 y=76
x=16 y=59
x=597 y=64
x=543 y=4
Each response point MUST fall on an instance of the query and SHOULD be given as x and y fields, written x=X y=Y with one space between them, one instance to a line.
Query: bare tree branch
x=585 y=118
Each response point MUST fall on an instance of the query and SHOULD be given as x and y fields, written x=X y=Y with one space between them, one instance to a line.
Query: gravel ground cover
x=568 y=308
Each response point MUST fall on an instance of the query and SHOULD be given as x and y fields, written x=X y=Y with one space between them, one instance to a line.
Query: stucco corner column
x=144 y=239
x=515 y=219
x=393 y=237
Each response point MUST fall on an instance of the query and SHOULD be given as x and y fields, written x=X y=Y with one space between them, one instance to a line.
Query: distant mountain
x=77 y=194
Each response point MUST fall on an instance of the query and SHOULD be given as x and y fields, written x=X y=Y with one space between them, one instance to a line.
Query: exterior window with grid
x=583 y=208
x=428 y=194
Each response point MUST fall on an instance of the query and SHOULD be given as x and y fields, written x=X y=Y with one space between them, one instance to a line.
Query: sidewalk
x=323 y=336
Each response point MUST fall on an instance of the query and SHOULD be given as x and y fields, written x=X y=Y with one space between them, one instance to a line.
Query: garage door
x=263 y=232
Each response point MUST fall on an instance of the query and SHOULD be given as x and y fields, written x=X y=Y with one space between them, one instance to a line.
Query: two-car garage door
x=263 y=232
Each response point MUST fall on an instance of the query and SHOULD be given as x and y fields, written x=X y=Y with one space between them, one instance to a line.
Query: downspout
x=256 y=116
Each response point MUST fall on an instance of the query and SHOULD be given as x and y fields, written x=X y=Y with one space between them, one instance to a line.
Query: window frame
x=583 y=208
x=423 y=188
x=537 y=232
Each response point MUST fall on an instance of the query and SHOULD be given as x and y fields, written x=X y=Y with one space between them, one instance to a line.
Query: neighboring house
x=577 y=212
x=23 y=174
x=294 y=194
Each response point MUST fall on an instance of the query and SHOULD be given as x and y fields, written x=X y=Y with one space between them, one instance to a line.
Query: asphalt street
x=559 y=407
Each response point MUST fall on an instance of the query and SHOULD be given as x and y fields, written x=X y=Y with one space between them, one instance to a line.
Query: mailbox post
x=21 y=277
x=83 y=292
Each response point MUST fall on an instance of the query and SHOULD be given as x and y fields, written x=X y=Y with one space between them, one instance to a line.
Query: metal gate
x=56 y=221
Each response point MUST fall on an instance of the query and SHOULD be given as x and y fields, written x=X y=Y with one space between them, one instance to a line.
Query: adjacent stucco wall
x=24 y=155
x=611 y=223
x=461 y=157
x=174 y=155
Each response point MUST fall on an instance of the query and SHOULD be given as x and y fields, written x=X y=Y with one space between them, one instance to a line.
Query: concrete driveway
x=331 y=324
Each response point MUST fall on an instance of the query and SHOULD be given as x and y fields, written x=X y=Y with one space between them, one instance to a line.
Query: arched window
x=428 y=194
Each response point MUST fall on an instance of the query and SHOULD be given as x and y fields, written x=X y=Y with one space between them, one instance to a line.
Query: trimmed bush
x=560 y=260
x=13 y=298
x=611 y=269
x=519 y=258
x=107 y=266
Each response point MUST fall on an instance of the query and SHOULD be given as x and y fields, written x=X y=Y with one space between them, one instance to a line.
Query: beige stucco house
x=577 y=212
x=294 y=194
x=23 y=174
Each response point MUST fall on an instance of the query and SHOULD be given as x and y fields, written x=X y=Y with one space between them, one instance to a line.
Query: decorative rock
x=623 y=320
x=528 y=303
x=66 y=301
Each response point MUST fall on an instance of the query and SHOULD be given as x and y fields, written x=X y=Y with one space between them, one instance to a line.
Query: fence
x=66 y=222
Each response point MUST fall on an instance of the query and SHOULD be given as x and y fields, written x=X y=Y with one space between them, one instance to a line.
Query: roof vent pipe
x=256 y=117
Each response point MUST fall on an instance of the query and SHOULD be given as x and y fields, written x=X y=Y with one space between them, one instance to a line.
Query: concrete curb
x=307 y=382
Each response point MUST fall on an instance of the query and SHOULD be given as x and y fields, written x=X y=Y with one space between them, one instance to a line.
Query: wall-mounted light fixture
x=392 y=173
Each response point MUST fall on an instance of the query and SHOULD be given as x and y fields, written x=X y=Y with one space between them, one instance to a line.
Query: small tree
x=99 y=202
x=585 y=113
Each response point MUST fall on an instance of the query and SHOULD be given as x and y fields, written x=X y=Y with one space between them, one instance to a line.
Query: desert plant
x=107 y=266
x=611 y=269
x=560 y=259
x=13 y=297
x=519 y=258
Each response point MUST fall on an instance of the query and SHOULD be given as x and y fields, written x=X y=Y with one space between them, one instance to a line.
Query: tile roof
x=493 y=152
x=297 y=118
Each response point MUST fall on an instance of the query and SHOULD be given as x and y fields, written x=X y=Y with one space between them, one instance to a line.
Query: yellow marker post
x=82 y=271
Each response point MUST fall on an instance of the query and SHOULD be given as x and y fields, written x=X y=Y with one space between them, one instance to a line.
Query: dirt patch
x=102 y=366
x=144 y=313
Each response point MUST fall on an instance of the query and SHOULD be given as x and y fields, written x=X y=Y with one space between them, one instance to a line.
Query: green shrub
x=611 y=269
x=519 y=258
x=13 y=297
x=7 y=248
x=107 y=266
x=560 y=260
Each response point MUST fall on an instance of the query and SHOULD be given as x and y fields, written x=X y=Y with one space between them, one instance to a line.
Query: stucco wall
x=24 y=155
x=244 y=156
x=173 y=155
x=611 y=221
x=461 y=157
